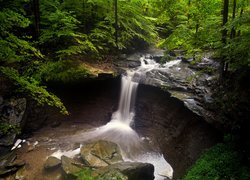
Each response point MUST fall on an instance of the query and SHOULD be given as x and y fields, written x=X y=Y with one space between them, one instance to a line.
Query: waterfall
x=119 y=128
x=125 y=111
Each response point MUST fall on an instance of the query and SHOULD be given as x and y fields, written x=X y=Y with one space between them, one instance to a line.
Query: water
x=125 y=111
x=119 y=129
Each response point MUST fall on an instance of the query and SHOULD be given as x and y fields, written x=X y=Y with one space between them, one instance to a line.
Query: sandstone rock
x=101 y=153
x=52 y=162
x=69 y=167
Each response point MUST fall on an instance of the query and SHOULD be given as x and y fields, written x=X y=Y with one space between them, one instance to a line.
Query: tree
x=116 y=23
x=36 y=11
x=224 y=65
x=18 y=56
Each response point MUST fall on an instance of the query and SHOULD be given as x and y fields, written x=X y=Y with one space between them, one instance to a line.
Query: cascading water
x=125 y=111
x=119 y=129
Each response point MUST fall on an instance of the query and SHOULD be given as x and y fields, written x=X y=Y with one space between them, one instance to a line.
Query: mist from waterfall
x=119 y=130
x=125 y=112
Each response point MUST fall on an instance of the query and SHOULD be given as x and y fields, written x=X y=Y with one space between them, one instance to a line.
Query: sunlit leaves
x=31 y=86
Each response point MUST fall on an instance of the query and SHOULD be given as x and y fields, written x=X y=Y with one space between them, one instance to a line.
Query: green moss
x=219 y=162
x=6 y=128
x=88 y=174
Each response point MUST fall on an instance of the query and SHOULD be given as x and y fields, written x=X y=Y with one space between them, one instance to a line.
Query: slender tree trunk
x=36 y=12
x=225 y=19
x=224 y=37
x=241 y=12
x=233 y=31
x=116 y=22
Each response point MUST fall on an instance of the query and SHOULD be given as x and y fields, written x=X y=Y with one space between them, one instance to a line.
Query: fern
x=32 y=87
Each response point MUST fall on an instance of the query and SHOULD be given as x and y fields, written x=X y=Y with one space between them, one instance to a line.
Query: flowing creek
x=71 y=135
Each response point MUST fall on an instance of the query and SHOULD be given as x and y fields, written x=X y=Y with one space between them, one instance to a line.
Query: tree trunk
x=241 y=12
x=116 y=22
x=233 y=31
x=224 y=37
x=36 y=12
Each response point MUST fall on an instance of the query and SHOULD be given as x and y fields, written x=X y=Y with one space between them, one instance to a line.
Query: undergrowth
x=220 y=162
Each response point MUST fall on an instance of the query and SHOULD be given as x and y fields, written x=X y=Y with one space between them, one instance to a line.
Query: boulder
x=52 y=162
x=132 y=170
x=101 y=153
x=111 y=174
x=69 y=167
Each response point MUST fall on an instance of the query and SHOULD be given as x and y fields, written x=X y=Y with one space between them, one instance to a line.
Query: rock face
x=35 y=116
x=187 y=81
x=181 y=134
x=101 y=153
x=11 y=118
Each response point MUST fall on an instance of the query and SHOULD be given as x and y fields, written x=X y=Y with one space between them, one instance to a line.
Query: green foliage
x=133 y=23
x=6 y=129
x=219 y=162
x=236 y=50
x=86 y=174
x=12 y=47
x=60 y=31
x=32 y=87
x=65 y=71
x=194 y=25
x=98 y=22
x=17 y=53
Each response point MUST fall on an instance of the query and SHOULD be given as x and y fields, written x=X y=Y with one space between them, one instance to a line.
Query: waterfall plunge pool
x=159 y=119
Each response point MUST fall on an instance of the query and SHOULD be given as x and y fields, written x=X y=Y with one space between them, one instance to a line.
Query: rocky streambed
x=171 y=115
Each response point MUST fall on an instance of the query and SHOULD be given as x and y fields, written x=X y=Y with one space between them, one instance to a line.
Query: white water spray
x=119 y=130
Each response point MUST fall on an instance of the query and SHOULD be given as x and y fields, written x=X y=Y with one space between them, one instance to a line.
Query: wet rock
x=8 y=164
x=35 y=116
x=133 y=170
x=11 y=115
x=7 y=139
x=205 y=63
x=69 y=167
x=13 y=110
x=111 y=174
x=7 y=159
x=52 y=162
x=4 y=171
x=17 y=163
x=101 y=153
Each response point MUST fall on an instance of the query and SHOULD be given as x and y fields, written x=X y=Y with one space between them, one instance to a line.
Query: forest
x=48 y=42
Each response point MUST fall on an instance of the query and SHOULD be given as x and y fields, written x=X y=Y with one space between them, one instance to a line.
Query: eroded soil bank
x=179 y=134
